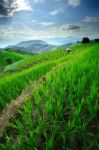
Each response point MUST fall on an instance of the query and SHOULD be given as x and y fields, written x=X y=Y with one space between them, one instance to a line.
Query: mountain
x=62 y=41
x=33 y=46
x=37 y=46
x=65 y=45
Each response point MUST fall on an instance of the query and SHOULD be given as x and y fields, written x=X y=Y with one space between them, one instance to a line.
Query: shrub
x=85 y=40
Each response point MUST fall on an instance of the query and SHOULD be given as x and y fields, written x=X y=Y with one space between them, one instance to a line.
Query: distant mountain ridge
x=31 y=42
x=62 y=41
x=33 y=46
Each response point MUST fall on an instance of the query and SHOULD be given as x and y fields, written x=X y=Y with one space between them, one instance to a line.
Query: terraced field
x=50 y=101
x=5 y=55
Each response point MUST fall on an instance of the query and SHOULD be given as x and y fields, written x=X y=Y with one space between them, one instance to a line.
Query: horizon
x=54 y=41
x=47 y=19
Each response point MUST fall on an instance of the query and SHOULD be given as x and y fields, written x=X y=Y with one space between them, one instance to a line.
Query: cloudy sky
x=44 y=19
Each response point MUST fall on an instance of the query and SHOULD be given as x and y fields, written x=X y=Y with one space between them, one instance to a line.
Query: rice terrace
x=49 y=75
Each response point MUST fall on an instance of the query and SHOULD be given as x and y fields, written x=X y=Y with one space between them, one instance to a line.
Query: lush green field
x=13 y=82
x=62 y=113
x=4 y=55
x=35 y=60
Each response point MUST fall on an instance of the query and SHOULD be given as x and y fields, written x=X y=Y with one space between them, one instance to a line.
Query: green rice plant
x=66 y=102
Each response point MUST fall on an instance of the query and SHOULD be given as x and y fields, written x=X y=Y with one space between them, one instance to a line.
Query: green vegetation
x=12 y=83
x=63 y=112
x=35 y=60
x=14 y=57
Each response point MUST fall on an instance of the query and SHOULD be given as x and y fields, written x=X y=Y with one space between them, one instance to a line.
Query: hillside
x=50 y=101
x=7 y=58
x=18 y=75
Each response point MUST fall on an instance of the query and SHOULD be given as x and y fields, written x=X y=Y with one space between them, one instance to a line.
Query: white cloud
x=23 y=5
x=43 y=23
x=54 y=13
x=47 y=23
x=8 y=7
x=39 y=1
x=19 y=31
x=91 y=19
x=34 y=21
x=27 y=33
x=74 y=3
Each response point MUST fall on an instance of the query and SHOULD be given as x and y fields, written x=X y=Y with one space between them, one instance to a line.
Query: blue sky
x=46 y=19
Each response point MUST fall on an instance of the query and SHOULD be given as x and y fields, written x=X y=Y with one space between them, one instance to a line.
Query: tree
x=85 y=40
x=96 y=40
x=9 y=61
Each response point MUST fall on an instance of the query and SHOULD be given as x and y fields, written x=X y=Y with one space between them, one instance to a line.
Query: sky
x=47 y=19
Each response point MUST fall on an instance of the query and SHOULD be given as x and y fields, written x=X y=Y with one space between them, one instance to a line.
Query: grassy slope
x=12 y=83
x=63 y=111
x=35 y=60
x=14 y=56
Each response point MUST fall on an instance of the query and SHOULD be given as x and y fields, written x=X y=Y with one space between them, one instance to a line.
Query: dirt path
x=12 y=108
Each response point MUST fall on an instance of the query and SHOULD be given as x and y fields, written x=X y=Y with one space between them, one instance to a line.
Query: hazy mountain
x=62 y=41
x=37 y=46
x=34 y=46
x=65 y=45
